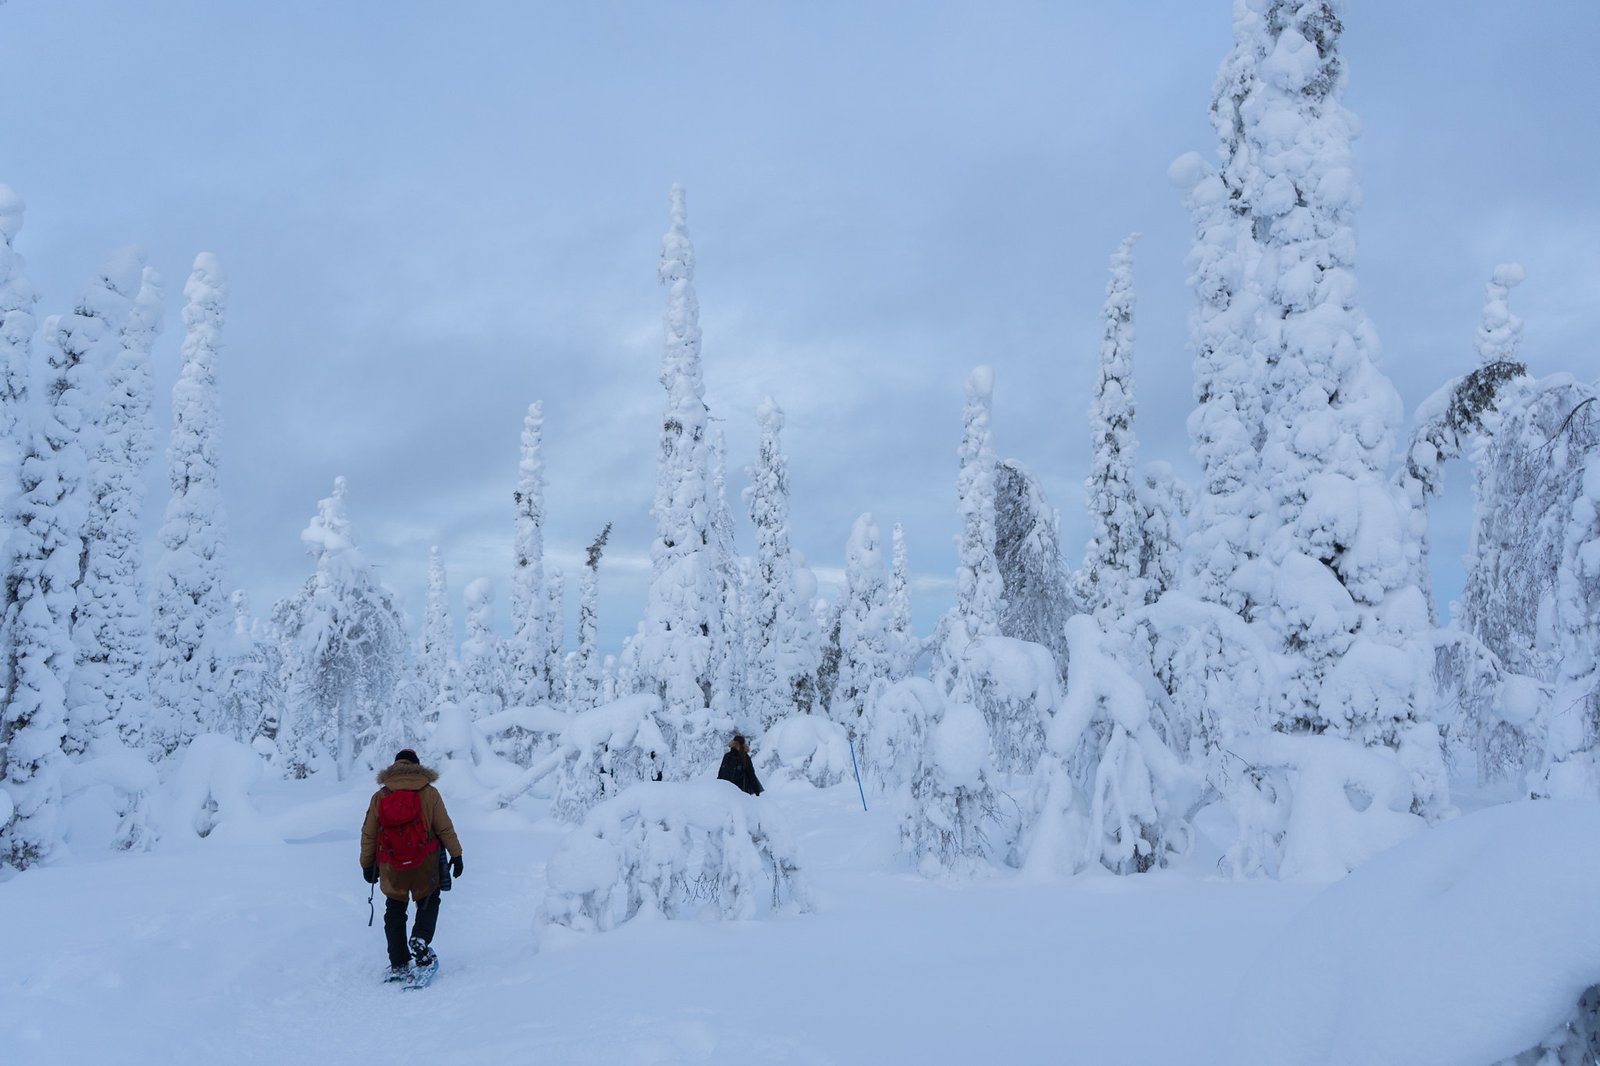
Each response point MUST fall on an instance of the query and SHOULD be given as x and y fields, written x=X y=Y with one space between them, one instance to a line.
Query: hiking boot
x=421 y=952
x=398 y=973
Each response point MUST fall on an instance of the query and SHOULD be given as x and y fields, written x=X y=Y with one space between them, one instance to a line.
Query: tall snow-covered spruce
x=1300 y=528
x=188 y=602
x=525 y=652
x=46 y=551
x=1111 y=560
x=684 y=615
x=782 y=646
x=979 y=589
x=435 y=657
x=110 y=694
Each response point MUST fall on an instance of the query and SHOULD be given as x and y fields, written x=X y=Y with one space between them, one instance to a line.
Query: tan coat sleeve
x=438 y=820
x=369 y=834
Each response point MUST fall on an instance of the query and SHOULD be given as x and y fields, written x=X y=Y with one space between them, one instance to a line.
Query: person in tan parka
x=420 y=883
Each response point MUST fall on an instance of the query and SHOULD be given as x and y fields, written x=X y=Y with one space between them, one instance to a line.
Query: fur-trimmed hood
x=407 y=775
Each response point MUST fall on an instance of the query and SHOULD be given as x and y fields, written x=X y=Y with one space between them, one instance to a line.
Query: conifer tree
x=782 y=645
x=866 y=636
x=555 y=633
x=900 y=606
x=480 y=681
x=45 y=553
x=683 y=619
x=1038 y=599
x=978 y=586
x=110 y=693
x=187 y=598
x=344 y=652
x=1111 y=559
x=1333 y=419
x=979 y=590
x=438 y=634
x=728 y=694
x=584 y=691
x=527 y=680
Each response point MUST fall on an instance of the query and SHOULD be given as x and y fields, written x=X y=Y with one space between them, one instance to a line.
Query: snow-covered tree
x=45 y=548
x=344 y=648
x=1111 y=788
x=1571 y=768
x=16 y=367
x=1343 y=597
x=1456 y=417
x=728 y=667
x=866 y=638
x=480 y=681
x=1163 y=505
x=1111 y=559
x=1525 y=582
x=978 y=587
x=437 y=653
x=187 y=598
x=110 y=693
x=684 y=615
x=955 y=824
x=1027 y=548
x=555 y=632
x=250 y=688
x=782 y=649
x=584 y=677
x=1228 y=425
x=905 y=641
x=525 y=651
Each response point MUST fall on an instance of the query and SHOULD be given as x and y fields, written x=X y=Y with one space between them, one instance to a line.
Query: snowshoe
x=395 y=974
x=421 y=952
x=422 y=976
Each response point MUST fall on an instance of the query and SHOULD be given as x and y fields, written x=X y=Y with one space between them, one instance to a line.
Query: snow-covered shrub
x=1016 y=685
x=895 y=728
x=673 y=850
x=606 y=750
x=1216 y=671
x=956 y=823
x=107 y=797
x=1326 y=805
x=806 y=746
x=1110 y=789
x=209 y=794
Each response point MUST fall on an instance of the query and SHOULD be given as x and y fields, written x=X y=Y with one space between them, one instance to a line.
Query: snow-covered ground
x=236 y=952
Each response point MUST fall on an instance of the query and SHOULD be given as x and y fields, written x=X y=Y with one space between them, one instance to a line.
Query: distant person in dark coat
x=737 y=767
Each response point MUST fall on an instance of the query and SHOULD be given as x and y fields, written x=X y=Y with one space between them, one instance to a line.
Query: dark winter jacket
x=737 y=767
x=418 y=883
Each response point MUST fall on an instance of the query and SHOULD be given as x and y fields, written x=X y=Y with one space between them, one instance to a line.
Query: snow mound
x=209 y=795
x=1492 y=914
x=809 y=746
x=673 y=850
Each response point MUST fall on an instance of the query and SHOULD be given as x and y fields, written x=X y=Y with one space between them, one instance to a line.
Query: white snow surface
x=1464 y=943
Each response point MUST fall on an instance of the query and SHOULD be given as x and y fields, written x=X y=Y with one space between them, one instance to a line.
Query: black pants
x=394 y=926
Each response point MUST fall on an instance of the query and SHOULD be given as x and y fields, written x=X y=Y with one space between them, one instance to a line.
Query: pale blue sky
x=432 y=215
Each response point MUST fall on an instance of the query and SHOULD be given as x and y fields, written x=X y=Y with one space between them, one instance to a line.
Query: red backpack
x=403 y=841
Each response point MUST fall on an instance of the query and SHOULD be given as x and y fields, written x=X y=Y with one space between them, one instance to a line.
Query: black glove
x=370 y=874
x=456 y=866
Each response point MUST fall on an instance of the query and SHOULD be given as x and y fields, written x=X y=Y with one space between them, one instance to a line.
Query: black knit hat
x=407 y=755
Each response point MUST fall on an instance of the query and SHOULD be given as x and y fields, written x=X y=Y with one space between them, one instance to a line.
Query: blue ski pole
x=857 y=769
